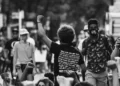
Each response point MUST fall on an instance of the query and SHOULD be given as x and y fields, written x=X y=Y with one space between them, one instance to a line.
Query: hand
x=39 y=17
x=112 y=64
x=30 y=64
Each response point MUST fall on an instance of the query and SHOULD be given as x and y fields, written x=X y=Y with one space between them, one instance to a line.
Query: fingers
x=39 y=17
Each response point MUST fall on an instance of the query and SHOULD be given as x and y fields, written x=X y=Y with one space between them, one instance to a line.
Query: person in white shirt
x=23 y=53
x=31 y=40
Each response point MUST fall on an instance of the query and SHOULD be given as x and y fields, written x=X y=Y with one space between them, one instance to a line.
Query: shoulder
x=30 y=44
x=16 y=43
x=31 y=40
x=55 y=48
x=56 y=44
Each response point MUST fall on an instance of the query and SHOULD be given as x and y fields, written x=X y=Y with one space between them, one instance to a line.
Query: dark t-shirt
x=9 y=46
x=97 y=53
x=66 y=57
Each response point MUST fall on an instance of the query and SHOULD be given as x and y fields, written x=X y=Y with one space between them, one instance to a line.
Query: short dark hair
x=47 y=82
x=66 y=34
x=50 y=76
x=92 y=21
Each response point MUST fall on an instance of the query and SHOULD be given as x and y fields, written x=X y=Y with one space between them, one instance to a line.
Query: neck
x=24 y=41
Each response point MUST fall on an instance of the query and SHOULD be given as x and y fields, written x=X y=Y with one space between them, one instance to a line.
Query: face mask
x=93 y=32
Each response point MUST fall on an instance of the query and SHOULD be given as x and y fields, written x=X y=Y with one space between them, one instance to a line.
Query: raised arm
x=41 y=32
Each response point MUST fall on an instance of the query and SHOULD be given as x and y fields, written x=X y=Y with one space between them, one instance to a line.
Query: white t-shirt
x=80 y=44
x=40 y=56
x=31 y=40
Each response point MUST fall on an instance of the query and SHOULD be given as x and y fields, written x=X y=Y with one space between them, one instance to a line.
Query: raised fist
x=39 y=17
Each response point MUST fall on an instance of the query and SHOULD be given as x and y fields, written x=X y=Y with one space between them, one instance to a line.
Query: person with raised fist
x=67 y=56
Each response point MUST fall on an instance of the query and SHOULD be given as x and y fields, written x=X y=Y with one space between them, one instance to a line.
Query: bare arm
x=115 y=78
x=115 y=52
x=15 y=57
x=42 y=34
x=33 y=58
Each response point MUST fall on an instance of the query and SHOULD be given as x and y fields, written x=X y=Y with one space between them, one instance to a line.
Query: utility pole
x=21 y=16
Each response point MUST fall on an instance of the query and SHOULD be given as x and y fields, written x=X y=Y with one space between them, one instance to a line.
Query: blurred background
x=15 y=14
x=22 y=13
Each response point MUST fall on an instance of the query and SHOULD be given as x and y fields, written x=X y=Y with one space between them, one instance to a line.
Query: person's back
x=67 y=58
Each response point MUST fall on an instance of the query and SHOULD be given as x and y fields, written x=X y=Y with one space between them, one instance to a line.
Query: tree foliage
x=68 y=10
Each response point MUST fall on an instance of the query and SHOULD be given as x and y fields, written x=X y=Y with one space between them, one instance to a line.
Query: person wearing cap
x=97 y=49
x=86 y=31
x=85 y=35
x=67 y=56
x=23 y=53
x=9 y=46
x=31 y=40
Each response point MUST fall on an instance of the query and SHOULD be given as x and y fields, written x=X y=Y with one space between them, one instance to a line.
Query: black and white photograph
x=59 y=42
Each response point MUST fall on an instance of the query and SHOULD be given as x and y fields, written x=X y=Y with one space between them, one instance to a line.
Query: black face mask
x=93 y=32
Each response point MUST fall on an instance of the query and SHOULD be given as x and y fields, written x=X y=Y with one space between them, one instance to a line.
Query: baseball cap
x=85 y=27
x=23 y=31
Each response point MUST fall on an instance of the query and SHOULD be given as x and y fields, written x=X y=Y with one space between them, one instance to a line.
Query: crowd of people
x=43 y=62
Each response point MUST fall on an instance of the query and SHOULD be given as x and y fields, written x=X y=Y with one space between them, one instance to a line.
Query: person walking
x=23 y=53
x=97 y=49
